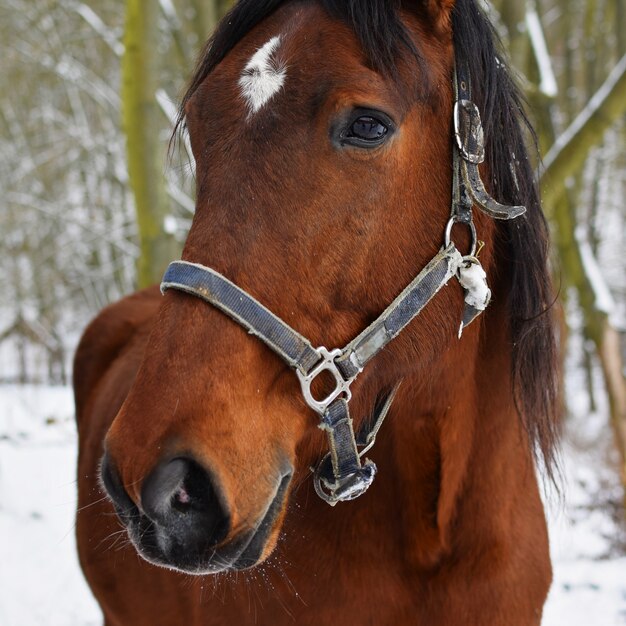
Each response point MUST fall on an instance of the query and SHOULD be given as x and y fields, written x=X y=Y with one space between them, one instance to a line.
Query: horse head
x=324 y=152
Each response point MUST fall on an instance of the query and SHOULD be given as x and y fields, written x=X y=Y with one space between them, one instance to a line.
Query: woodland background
x=91 y=208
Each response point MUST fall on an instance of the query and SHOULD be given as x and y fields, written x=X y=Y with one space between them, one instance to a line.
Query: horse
x=331 y=139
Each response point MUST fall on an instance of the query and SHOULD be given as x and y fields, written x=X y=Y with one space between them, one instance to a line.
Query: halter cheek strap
x=469 y=153
x=342 y=475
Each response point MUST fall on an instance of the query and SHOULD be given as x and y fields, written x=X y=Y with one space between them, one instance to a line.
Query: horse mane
x=524 y=242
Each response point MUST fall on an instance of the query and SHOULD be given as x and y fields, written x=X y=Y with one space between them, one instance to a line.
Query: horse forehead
x=288 y=69
x=298 y=62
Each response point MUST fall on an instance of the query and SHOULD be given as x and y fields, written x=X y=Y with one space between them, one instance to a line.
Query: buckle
x=326 y=364
x=468 y=130
x=346 y=488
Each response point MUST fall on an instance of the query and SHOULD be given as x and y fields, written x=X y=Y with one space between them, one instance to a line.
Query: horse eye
x=367 y=128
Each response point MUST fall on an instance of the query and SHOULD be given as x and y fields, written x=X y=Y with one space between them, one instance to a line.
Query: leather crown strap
x=342 y=474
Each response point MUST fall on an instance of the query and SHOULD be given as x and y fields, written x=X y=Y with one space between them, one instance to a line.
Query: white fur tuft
x=262 y=77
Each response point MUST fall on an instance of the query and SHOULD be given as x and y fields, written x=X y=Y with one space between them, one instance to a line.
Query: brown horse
x=323 y=136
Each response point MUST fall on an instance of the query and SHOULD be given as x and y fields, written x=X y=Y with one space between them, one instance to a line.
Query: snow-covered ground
x=41 y=583
x=40 y=580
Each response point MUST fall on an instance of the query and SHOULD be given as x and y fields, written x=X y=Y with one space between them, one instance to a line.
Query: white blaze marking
x=262 y=77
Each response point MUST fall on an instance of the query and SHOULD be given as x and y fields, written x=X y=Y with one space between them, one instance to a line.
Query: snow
x=41 y=582
x=589 y=586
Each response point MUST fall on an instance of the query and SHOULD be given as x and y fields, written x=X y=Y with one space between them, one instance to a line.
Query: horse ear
x=440 y=11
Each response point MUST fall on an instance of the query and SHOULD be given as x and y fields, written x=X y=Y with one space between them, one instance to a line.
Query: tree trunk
x=612 y=366
x=145 y=151
x=579 y=275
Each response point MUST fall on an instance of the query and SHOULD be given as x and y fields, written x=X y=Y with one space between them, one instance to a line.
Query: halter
x=341 y=474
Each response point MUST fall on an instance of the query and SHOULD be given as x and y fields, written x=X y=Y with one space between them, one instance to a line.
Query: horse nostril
x=181 y=493
x=114 y=487
x=160 y=488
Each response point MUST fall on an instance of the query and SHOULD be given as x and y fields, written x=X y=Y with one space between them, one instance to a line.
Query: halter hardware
x=468 y=130
x=341 y=475
x=326 y=364
x=448 y=234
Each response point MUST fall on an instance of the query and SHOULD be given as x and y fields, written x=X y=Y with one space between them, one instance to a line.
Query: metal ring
x=447 y=238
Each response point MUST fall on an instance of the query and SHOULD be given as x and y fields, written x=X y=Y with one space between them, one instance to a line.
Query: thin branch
x=93 y=19
x=547 y=84
x=569 y=151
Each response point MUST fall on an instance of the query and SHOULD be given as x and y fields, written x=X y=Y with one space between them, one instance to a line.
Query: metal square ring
x=327 y=364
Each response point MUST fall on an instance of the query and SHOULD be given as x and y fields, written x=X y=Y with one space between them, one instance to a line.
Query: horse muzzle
x=183 y=521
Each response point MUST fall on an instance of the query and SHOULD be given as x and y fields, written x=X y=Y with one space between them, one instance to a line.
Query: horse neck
x=449 y=455
x=458 y=447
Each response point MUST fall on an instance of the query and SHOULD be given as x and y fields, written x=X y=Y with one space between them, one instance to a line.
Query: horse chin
x=172 y=549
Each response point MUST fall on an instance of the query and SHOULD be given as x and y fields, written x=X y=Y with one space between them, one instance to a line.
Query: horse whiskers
x=122 y=543
x=116 y=535
x=283 y=574
x=98 y=501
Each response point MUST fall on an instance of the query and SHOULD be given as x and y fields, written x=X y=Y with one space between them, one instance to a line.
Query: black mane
x=524 y=240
